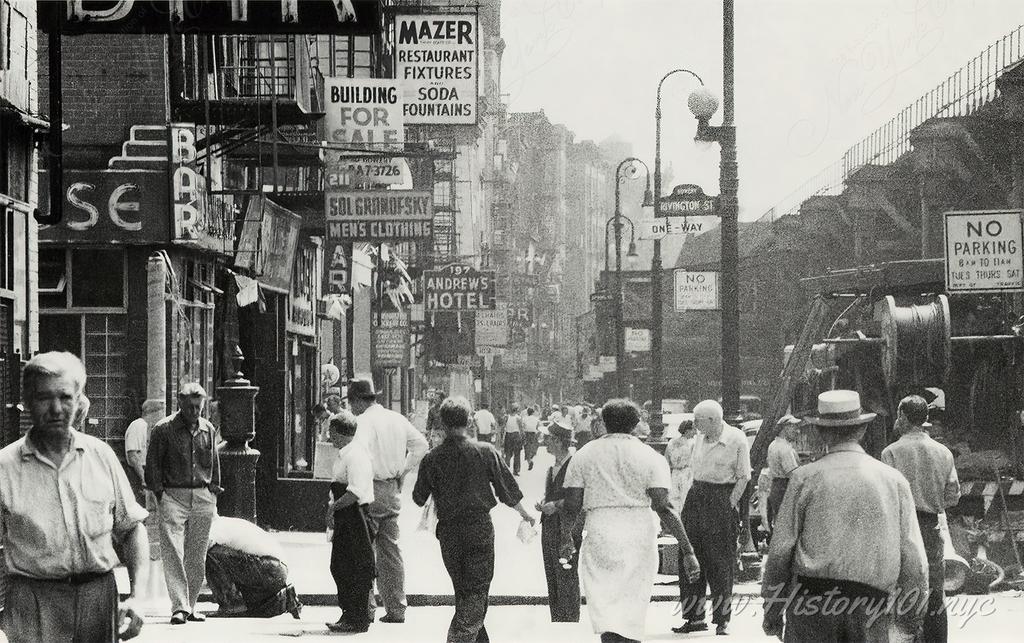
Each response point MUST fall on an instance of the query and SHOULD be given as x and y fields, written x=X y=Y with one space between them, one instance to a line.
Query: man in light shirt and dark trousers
x=721 y=470
x=485 y=423
x=846 y=559
x=928 y=467
x=395 y=448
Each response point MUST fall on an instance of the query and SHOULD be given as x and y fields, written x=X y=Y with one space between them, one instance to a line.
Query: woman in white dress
x=618 y=480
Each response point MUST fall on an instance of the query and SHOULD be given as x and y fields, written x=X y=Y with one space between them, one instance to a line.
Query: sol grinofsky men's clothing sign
x=379 y=215
x=437 y=63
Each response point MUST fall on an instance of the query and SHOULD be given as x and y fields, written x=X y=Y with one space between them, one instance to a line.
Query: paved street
x=518 y=569
x=997 y=618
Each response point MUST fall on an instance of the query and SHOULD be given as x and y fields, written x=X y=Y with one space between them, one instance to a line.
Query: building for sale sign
x=984 y=251
x=364 y=112
x=437 y=64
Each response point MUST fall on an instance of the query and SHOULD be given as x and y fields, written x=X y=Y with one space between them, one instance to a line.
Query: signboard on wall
x=206 y=16
x=301 y=314
x=109 y=206
x=267 y=242
x=492 y=327
x=365 y=112
x=379 y=215
x=638 y=340
x=337 y=278
x=436 y=60
x=196 y=223
x=695 y=290
x=984 y=251
x=458 y=287
x=391 y=340
x=343 y=169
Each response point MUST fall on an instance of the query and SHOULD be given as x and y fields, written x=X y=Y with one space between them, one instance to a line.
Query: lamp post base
x=238 y=477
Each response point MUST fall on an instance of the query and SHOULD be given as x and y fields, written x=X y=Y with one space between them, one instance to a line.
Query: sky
x=813 y=77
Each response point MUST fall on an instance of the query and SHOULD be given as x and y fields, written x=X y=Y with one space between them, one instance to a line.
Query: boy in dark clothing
x=463 y=476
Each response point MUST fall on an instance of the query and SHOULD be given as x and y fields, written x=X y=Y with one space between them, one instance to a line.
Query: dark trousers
x=778 y=492
x=246 y=583
x=39 y=610
x=514 y=451
x=352 y=563
x=485 y=437
x=563 y=584
x=530 y=445
x=711 y=524
x=829 y=610
x=936 y=627
x=467 y=549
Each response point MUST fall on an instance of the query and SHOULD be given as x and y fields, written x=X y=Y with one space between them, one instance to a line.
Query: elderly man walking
x=721 y=470
x=464 y=476
x=395 y=448
x=65 y=502
x=846 y=556
x=928 y=467
x=618 y=480
x=183 y=472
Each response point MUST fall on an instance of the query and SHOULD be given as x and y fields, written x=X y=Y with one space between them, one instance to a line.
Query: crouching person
x=245 y=571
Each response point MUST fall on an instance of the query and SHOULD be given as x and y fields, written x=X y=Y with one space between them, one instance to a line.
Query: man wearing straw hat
x=395 y=448
x=846 y=556
x=928 y=467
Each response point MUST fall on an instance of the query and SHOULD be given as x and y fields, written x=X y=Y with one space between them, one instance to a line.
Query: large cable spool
x=917 y=350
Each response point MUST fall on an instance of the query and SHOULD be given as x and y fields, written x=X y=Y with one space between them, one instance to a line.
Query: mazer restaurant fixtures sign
x=436 y=62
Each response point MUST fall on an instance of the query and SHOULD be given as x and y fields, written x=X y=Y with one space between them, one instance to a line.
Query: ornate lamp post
x=237 y=397
x=657 y=426
x=616 y=220
x=703 y=105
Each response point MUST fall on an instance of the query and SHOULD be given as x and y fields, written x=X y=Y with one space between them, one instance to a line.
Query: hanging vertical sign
x=437 y=63
x=491 y=327
x=194 y=222
x=364 y=112
x=391 y=340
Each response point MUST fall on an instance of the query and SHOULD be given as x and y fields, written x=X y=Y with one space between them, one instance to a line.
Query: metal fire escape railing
x=963 y=93
x=445 y=206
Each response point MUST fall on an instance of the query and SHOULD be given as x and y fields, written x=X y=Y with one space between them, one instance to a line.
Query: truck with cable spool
x=891 y=330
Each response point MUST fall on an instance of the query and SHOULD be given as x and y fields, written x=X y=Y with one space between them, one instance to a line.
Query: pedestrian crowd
x=846 y=526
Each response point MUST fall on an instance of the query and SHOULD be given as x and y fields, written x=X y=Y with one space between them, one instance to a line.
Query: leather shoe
x=691 y=626
x=196 y=617
x=388 y=618
x=179 y=618
x=347 y=628
x=721 y=630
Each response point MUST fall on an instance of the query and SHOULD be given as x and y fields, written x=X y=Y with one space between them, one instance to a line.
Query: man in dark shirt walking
x=183 y=472
x=464 y=476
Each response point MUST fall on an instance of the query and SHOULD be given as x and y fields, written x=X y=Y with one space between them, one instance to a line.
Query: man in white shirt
x=352 y=561
x=136 y=442
x=531 y=428
x=136 y=445
x=484 y=424
x=395 y=448
x=721 y=471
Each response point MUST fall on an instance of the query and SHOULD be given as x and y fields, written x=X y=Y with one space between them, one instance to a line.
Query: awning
x=34 y=122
